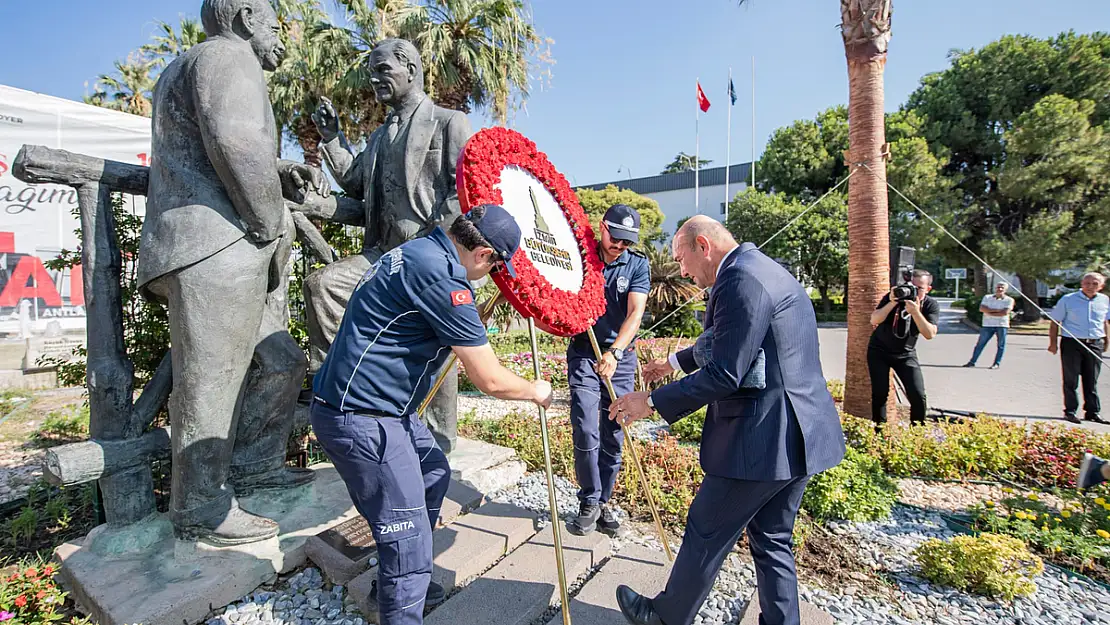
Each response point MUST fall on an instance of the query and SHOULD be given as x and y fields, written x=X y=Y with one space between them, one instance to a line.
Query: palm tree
x=865 y=28
x=318 y=57
x=477 y=54
x=128 y=89
x=668 y=288
x=167 y=43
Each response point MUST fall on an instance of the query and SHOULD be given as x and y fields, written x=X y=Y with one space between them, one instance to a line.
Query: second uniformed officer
x=408 y=311
x=597 y=440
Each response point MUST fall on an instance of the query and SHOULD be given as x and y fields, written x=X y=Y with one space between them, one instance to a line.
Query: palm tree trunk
x=866 y=31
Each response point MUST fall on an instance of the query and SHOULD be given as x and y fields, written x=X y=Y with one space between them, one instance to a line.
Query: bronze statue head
x=396 y=71
x=253 y=21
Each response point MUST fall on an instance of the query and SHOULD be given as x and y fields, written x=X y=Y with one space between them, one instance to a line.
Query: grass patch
x=68 y=425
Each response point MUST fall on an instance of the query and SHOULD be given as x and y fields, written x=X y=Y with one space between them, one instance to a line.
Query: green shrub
x=836 y=389
x=988 y=564
x=520 y=342
x=854 y=490
x=64 y=426
x=689 y=428
x=1075 y=534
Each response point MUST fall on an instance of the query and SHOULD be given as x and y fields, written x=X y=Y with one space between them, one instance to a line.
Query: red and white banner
x=38 y=221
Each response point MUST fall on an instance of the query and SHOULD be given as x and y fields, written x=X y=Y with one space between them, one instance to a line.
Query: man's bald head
x=703 y=226
x=699 y=246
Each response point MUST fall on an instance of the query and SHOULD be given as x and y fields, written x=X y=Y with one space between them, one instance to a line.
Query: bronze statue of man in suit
x=406 y=180
x=214 y=246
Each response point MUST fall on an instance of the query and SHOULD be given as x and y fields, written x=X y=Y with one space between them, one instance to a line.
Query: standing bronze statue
x=214 y=249
x=406 y=180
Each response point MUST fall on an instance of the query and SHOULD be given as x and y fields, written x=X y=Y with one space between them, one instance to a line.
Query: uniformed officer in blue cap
x=598 y=440
x=409 y=310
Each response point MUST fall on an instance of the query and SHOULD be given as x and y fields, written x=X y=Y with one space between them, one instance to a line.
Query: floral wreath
x=555 y=310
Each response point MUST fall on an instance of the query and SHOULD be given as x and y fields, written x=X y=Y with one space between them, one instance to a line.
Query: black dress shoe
x=1070 y=418
x=1094 y=418
x=636 y=608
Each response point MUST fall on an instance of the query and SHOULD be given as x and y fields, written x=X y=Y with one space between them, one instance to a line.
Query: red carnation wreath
x=556 y=311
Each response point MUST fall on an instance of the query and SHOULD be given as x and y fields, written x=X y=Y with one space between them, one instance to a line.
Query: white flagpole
x=728 y=139
x=753 y=121
x=697 y=146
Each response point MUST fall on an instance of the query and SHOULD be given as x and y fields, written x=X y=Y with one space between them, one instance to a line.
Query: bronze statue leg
x=215 y=309
x=326 y=293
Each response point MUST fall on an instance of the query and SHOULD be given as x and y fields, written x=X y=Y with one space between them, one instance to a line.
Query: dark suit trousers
x=1079 y=363
x=721 y=510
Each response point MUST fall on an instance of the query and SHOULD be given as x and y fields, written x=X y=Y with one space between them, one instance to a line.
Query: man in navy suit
x=766 y=432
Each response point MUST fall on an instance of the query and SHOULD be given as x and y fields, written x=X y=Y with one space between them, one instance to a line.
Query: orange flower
x=41 y=594
x=31 y=573
x=20 y=601
x=49 y=570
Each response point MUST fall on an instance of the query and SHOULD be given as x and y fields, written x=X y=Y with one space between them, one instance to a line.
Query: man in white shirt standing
x=996 y=309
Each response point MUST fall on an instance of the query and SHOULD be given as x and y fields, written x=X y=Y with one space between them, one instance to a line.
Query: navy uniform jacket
x=404 y=316
x=629 y=273
x=791 y=427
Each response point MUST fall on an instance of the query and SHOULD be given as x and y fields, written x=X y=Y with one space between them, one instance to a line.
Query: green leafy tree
x=168 y=42
x=684 y=162
x=972 y=110
x=595 y=203
x=815 y=246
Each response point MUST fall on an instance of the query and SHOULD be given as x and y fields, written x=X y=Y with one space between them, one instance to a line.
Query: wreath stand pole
x=450 y=362
x=630 y=445
x=555 y=519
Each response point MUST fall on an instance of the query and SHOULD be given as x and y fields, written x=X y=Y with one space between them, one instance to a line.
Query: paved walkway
x=1026 y=386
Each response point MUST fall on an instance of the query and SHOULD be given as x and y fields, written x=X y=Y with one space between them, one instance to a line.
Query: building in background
x=675 y=192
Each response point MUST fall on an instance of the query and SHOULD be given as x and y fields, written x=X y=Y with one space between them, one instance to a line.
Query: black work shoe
x=435 y=596
x=1070 y=418
x=969 y=365
x=1090 y=471
x=1094 y=418
x=995 y=366
x=607 y=523
x=636 y=608
x=238 y=527
x=586 y=521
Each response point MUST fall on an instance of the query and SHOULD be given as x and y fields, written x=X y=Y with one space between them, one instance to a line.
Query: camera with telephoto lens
x=907 y=291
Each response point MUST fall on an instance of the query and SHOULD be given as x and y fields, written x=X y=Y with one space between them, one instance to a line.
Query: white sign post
x=956 y=273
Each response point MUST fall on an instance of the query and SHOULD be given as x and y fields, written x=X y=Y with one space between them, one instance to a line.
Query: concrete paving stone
x=642 y=569
x=523 y=585
x=465 y=548
x=811 y=614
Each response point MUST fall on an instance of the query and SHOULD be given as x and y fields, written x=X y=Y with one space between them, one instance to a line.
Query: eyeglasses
x=624 y=242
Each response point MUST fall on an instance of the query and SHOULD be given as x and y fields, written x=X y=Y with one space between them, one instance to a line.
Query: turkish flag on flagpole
x=703 y=102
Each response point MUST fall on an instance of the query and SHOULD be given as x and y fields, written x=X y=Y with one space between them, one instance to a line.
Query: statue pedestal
x=176 y=582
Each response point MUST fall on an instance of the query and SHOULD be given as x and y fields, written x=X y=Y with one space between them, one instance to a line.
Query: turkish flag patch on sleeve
x=460 y=298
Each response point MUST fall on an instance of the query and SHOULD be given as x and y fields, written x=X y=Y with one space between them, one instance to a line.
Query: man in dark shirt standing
x=893 y=344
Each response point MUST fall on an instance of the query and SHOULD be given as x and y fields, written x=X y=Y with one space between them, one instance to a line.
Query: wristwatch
x=617 y=353
x=650 y=402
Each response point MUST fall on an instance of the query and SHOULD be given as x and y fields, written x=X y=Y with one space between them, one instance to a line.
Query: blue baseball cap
x=500 y=230
x=623 y=222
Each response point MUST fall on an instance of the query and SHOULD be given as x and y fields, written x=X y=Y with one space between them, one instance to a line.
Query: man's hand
x=657 y=370
x=629 y=408
x=297 y=179
x=326 y=120
x=542 y=393
x=1052 y=347
x=607 y=366
x=913 y=307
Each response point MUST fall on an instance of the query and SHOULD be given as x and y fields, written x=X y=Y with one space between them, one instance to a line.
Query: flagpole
x=728 y=139
x=697 y=146
x=753 y=121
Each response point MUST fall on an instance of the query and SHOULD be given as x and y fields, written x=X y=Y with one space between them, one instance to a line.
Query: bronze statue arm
x=344 y=210
x=346 y=168
x=231 y=104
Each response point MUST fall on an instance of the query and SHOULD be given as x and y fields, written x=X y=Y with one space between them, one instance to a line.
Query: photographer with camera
x=903 y=314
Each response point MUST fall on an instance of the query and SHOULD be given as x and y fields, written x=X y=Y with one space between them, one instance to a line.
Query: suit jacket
x=436 y=137
x=790 y=428
x=213 y=172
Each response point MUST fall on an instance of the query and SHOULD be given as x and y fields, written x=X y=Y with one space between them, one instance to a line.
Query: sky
x=621 y=99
